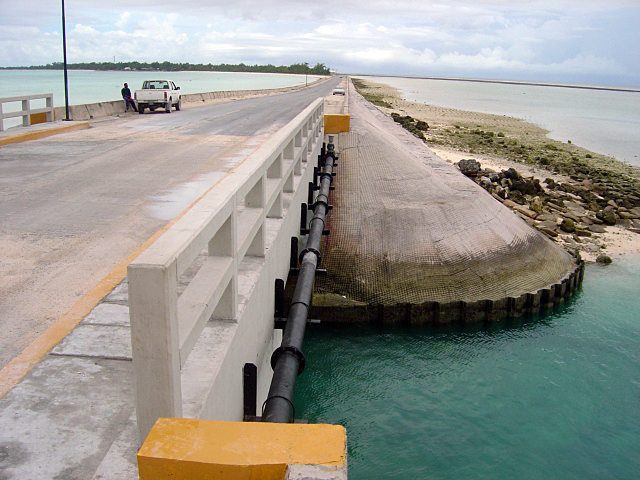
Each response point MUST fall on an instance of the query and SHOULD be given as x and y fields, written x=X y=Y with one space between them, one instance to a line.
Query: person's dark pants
x=129 y=101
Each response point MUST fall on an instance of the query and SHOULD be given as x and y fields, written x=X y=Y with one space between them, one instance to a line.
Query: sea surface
x=555 y=396
x=88 y=86
x=603 y=121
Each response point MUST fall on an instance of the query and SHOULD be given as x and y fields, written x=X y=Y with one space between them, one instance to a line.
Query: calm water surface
x=554 y=397
x=87 y=86
x=606 y=122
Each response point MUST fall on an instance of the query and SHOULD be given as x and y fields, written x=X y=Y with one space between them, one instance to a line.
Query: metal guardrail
x=288 y=360
x=27 y=112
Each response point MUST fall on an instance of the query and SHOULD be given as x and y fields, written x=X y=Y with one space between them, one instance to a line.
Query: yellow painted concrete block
x=334 y=123
x=186 y=449
x=38 y=118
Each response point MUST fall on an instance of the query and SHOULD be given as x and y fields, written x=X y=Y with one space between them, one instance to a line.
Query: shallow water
x=554 y=396
x=86 y=86
x=606 y=122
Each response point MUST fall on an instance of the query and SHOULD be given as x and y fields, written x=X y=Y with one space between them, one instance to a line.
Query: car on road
x=158 y=94
x=338 y=91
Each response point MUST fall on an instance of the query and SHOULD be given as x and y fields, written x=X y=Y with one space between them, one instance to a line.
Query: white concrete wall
x=189 y=348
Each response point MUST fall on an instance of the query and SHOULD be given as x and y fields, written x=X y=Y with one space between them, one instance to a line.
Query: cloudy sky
x=585 y=41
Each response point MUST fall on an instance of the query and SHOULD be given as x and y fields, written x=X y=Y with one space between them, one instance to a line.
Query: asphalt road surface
x=73 y=206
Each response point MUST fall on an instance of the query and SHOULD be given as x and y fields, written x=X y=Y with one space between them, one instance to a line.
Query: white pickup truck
x=158 y=94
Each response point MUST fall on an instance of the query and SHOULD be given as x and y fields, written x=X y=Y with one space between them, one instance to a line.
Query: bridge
x=152 y=244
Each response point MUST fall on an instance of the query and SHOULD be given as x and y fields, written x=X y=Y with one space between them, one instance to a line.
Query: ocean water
x=555 y=396
x=606 y=122
x=87 y=86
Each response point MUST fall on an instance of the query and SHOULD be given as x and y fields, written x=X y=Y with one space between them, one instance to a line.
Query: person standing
x=126 y=95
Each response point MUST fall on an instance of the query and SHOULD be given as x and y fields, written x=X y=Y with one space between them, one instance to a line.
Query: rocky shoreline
x=586 y=202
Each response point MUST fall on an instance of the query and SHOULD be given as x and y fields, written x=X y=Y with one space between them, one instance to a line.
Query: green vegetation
x=296 y=68
x=363 y=89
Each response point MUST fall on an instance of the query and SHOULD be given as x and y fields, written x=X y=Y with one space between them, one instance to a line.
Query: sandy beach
x=586 y=202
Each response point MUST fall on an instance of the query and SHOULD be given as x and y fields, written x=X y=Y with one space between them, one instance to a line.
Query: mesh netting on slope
x=407 y=227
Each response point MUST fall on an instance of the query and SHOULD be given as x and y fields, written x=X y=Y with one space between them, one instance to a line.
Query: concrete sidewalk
x=72 y=416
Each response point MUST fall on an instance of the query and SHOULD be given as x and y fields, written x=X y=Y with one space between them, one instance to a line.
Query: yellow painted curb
x=334 y=123
x=24 y=137
x=186 y=449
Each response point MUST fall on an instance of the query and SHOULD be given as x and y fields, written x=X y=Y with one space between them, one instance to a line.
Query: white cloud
x=514 y=37
x=123 y=20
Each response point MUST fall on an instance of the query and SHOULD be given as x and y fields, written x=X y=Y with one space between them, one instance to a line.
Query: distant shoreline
x=505 y=82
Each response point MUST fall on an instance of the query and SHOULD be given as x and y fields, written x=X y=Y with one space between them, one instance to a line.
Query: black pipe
x=288 y=360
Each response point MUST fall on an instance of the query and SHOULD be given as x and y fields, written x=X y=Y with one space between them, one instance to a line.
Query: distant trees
x=299 y=68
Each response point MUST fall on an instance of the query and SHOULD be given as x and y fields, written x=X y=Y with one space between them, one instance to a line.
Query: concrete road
x=74 y=206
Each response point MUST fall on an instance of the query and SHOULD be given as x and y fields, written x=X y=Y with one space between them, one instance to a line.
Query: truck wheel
x=179 y=104
x=140 y=109
x=167 y=107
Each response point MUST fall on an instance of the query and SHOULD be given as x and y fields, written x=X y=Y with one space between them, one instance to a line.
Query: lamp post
x=64 y=51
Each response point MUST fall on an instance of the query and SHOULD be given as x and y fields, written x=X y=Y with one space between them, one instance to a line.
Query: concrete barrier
x=117 y=107
x=202 y=296
x=181 y=449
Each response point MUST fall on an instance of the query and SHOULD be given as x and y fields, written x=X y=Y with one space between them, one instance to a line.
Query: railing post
x=155 y=343
x=26 y=112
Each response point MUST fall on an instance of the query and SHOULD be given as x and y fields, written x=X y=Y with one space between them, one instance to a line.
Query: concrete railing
x=202 y=296
x=29 y=114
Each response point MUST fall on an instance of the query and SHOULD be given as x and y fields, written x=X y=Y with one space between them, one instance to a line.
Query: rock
x=526 y=211
x=550 y=182
x=536 y=205
x=571 y=216
x=517 y=197
x=485 y=183
x=469 y=167
x=510 y=204
x=547 y=224
x=581 y=232
x=607 y=216
x=548 y=217
x=596 y=229
x=568 y=226
x=512 y=174
x=549 y=232
x=575 y=207
x=494 y=177
x=613 y=204
x=604 y=259
x=525 y=186
x=587 y=185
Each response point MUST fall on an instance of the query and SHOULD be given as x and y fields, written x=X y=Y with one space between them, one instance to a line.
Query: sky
x=585 y=41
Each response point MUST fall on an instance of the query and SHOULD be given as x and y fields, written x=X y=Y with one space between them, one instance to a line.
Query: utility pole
x=64 y=51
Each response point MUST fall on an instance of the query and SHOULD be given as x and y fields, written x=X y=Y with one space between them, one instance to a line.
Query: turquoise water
x=87 y=86
x=550 y=397
x=607 y=122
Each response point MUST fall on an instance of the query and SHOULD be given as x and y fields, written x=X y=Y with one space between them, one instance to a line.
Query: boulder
x=568 y=226
x=604 y=259
x=469 y=167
